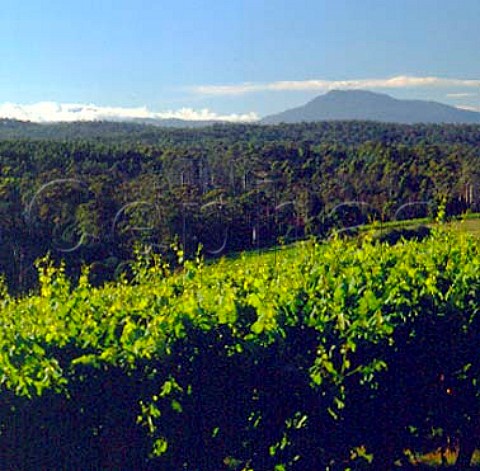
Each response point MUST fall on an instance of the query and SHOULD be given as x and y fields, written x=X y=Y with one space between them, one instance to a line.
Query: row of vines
x=351 y=354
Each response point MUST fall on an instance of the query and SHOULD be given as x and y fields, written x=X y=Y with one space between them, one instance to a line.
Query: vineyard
x=239 y=235
x=346 y=354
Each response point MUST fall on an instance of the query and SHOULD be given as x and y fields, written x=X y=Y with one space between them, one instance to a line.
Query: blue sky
x=231 y=56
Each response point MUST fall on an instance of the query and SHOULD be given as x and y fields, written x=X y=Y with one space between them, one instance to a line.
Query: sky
x=229 y=59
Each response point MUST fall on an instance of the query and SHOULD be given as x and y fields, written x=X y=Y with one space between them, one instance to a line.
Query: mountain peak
x=366 y=105
x=354 y=92
x=351 y=91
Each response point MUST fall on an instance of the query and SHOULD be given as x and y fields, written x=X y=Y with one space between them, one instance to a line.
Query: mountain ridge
x=366 y=105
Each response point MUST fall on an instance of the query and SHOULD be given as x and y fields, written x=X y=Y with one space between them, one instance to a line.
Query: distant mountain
x=365 y=105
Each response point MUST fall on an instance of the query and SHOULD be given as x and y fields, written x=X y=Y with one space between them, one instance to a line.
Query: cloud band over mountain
x=401 y=81
x=54 y=112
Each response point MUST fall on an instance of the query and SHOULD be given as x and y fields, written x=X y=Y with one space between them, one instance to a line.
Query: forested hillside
x=349 y=132
x=88 y=192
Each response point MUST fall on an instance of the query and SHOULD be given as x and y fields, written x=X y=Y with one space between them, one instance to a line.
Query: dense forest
x=90 y=192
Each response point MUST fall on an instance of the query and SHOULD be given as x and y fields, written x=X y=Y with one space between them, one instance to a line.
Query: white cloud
x=52 y=112
x=468 y=108
x=460 y=95
x=401 y=81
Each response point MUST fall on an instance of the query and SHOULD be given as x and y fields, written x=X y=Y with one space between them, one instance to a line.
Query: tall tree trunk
x=467 y=448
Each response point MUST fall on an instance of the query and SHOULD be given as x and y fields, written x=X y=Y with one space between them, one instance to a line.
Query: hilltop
x=370 y=106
